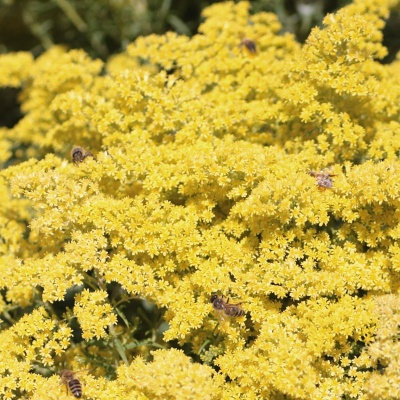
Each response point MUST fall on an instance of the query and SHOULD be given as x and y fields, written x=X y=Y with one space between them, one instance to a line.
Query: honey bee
x=79 y=154
x=73 y=384
x=230 y=310
x=249 y=44
x=324 y=178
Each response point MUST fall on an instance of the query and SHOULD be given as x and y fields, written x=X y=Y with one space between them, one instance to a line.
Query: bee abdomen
x=234 y=312
x=75 y=387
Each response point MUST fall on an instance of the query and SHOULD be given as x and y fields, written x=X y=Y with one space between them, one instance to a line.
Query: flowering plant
x=205 y=177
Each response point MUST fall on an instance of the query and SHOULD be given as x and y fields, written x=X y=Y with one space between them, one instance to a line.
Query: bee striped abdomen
x=73 y=384
x=234 y=311
x=75 y=388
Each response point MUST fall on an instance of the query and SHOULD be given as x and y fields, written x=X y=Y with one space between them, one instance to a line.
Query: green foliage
x=101 y=27
x=106 y=27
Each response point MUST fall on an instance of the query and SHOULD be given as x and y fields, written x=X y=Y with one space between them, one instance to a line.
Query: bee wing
x=328 y=171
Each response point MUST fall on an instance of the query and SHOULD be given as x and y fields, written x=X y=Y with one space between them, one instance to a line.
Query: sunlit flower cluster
x=386 y=350
x=29 y=345
x=205 y=179
x=93 y=313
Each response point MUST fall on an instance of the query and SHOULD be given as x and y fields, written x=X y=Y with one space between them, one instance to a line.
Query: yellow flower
x=200 y=183
x=94 y=314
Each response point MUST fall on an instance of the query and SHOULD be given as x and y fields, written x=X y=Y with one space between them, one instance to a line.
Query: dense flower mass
x=204 y=177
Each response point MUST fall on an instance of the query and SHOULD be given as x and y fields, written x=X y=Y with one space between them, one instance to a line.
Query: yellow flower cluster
x=386 y=350
x=29 y=345
x=16 y=68
x=271 y=178
x=93 y=315
x=172 y=375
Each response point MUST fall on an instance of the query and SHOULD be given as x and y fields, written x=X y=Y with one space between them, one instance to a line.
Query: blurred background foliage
x=105 y=27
